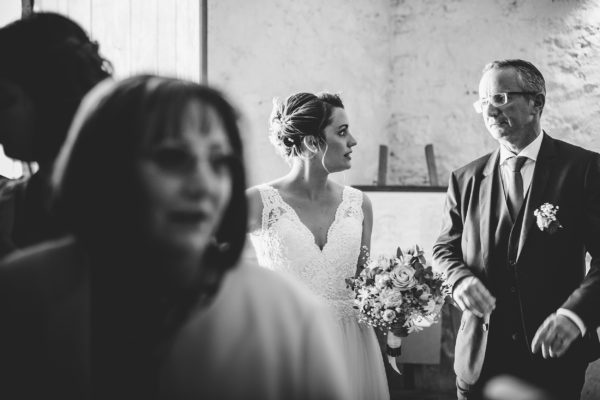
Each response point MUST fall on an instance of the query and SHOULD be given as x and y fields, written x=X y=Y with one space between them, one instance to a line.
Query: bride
x=316 y=230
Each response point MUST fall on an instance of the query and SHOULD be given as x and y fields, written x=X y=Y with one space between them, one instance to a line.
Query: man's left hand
x=555 y=336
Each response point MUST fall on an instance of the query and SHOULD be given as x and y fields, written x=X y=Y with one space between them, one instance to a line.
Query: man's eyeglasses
x=497 y=100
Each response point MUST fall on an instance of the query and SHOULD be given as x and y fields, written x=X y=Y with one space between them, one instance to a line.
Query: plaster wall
x=408 y=72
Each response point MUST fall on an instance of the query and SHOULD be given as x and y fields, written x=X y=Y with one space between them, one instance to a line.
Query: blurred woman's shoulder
x=264 y=285
x=262 y=318
x=53 y=266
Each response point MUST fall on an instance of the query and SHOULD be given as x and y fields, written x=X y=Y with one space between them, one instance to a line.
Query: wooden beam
x=382 y=172
x=26 y=8
x=431 y=167
x=204 y=41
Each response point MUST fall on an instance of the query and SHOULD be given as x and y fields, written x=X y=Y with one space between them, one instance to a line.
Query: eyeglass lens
x=497 y=100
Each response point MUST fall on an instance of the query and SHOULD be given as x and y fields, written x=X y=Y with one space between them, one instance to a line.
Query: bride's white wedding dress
x=284 y=243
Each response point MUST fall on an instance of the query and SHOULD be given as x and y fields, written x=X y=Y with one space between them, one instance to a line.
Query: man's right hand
x=471 y=295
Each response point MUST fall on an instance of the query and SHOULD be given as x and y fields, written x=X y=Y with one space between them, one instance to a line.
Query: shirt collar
x=531 y=151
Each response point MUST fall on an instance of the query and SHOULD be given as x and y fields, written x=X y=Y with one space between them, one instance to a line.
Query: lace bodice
x=284 y=243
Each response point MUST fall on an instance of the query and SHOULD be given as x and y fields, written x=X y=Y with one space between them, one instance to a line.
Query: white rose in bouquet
x=391 y=298
x=403 y=277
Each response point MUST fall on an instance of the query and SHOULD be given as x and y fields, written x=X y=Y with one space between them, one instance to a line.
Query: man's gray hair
x=531 y=78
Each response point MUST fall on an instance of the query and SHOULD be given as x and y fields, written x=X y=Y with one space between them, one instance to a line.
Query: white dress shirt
x=531 y=152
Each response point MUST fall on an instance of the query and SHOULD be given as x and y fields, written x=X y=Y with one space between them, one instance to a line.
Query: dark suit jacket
x=46 y=344
x=44 y=337
x=550 y=269
x=25 y=219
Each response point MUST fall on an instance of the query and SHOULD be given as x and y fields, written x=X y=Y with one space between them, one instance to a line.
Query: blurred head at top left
x=47 y=64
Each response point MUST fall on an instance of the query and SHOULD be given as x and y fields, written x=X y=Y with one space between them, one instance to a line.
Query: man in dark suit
x=529 y=308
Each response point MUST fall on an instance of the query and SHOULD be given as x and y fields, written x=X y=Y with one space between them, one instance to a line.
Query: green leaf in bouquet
x=350 y=284
x=418 y=266
x=399 y=253
x=419 y=274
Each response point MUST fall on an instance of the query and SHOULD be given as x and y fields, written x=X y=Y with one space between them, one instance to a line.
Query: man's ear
x=539 y=100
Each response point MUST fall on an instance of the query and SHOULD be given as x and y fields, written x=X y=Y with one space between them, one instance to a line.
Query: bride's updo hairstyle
x=297 y=124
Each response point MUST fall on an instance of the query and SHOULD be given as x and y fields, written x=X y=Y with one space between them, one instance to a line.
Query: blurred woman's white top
x=263 y=337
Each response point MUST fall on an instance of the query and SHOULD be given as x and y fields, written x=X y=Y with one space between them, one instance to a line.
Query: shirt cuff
x=573 y=317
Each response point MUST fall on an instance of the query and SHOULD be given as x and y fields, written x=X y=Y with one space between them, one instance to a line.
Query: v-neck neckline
x=297 y=217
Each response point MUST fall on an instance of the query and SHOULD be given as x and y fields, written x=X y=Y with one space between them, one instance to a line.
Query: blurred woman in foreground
x=146 y=299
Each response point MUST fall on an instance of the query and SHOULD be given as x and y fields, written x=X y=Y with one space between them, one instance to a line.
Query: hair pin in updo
x=291 y=142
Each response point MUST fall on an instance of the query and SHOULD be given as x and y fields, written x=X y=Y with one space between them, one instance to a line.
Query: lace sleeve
x=273 y=208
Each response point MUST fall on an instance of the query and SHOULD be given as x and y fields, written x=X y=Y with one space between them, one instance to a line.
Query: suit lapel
x=485 y=205
x=541 y=174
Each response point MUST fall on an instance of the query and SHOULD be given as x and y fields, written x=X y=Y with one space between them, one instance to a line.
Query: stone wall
x=262 y=49
x=439 y=49
x=408 y=71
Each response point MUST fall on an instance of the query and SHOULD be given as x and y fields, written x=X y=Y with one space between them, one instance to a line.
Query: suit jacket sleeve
x=585 y=299
x=447 y=251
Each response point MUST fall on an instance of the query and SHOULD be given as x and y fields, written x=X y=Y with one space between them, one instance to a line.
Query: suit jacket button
x=512 y=263
x=513 y=289
x=515 y=336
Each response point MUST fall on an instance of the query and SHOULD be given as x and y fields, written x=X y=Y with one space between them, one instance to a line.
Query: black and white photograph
x=300 y=200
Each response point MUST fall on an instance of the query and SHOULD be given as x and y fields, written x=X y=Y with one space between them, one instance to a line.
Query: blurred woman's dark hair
x=56 y=63
x=96 y=190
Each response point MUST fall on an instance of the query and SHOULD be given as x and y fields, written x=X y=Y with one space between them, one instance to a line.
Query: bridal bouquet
x=399 y=293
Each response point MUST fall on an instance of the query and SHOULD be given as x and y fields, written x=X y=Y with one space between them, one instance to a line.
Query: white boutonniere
x=546 y=218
